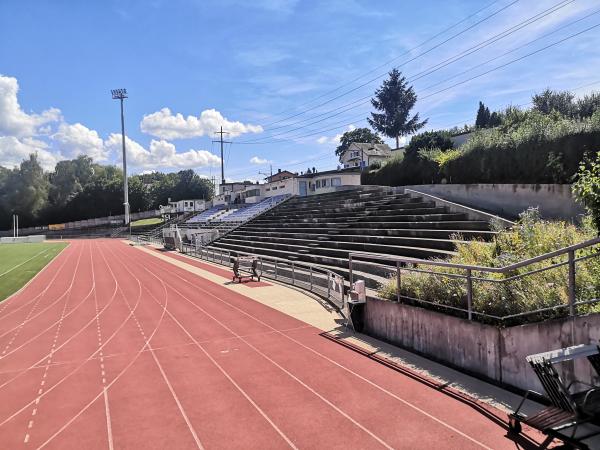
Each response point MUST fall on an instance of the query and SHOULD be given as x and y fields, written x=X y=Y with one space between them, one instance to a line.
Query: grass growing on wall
x=529 y=238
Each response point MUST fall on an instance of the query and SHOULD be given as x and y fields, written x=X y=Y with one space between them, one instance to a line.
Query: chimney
x=278 y=170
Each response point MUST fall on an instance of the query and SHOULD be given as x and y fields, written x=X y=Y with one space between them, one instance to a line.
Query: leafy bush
x=429 y=139
x=529 y=238
x=529 y=148
x=587 y=188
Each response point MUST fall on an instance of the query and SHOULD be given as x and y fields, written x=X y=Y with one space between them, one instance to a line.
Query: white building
x=182 y=206
x=302 y=185
x=364 y=154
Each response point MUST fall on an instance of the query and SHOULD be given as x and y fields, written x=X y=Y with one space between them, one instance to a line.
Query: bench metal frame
x=568 y=409
x=246 y=267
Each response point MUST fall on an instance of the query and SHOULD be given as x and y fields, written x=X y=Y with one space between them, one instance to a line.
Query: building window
x=318 y=184
x=274 y=188
x=268 y=189
x=336 y=181
x=282 y=187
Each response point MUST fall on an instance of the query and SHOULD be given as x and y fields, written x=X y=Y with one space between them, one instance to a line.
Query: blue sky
x=192 y=66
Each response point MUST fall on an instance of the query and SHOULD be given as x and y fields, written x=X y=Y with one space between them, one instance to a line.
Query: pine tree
x=395 y=99
x=483 y=116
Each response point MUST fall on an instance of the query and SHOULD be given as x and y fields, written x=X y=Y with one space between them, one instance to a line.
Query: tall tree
x=549 y=100
x=395 y=99
x=480 y=120
x=357 y=135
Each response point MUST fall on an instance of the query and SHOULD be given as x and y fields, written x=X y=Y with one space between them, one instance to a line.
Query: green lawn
x=20 y=262
x=146 y=222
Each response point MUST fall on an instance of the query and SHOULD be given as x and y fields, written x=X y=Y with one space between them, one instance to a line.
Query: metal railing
x=310 y=277
x=472 y=274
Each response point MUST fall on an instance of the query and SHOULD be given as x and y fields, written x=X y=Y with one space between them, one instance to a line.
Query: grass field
x=20 y=262
x=146 y=222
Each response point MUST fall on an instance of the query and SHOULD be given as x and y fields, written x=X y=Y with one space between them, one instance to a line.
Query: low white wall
x=555 y=201
x=22 y=239
x=491 y=352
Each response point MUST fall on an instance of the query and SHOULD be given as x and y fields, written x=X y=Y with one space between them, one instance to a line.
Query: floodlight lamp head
x=119 y=93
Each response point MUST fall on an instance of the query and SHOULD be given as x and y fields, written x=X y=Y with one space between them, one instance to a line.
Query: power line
x=407 y=52
x=404 y=63
x=463 y=81
x=513 y=61
x=361 y=101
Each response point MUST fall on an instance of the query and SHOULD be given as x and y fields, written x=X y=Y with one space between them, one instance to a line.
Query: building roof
x=370 y=149
x=330 y=172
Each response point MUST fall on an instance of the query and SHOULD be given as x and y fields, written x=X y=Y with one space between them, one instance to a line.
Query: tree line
x=80 y=189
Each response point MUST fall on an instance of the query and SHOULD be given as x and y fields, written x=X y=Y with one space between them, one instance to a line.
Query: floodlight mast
x=121 y=94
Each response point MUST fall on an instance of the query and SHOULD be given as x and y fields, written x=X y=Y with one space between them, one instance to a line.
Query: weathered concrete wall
x=488 y=351
x=22 y=239
x=555 y=201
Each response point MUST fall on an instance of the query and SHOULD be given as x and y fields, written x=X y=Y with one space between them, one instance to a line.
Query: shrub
x=529 y=238
x=528 y=147
x=587 y=188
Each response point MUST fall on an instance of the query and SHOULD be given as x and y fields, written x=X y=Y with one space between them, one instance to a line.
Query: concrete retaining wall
x=555 y=201
x=497 y=354
x=22 y=240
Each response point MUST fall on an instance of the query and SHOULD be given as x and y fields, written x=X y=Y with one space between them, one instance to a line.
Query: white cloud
x=257 y=160
x=333 y=139
x=79 y=140
x=14 y=150
x=13 y=120
x=165 y=125
x=160 y=154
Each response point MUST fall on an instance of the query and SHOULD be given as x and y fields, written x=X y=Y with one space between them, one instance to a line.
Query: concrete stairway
x=324 y=229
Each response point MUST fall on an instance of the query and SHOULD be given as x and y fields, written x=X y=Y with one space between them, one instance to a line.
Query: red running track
x=111 y=347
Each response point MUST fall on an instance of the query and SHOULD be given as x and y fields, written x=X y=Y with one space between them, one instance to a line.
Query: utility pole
x=121 y=94
x=221 y=141
x=266 y=174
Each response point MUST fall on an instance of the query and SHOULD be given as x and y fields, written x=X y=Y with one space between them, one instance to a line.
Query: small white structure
x=302 y=185
x=364 y=154
x=182 y=206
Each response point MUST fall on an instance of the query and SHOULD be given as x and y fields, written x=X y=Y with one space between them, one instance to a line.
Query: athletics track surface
x=111 y=347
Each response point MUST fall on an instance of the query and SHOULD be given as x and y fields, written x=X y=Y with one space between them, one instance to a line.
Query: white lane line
x=108 y=422
x=115 y=379
x=52 y=351
x=160 y=368
x=66 y=377
x=73 y=336
x=219 y=367
x=17 y=330
x=391 y=394
x=291 y=375
x=109 y=437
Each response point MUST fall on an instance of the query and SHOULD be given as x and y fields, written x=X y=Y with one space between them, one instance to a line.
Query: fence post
x=293 y=275
x=221 y=258
x=572 y=307
x=350 y=277
x=328 y=285
x=398 y=281
x=469 y=295
x=311 y=278
x=275 y=269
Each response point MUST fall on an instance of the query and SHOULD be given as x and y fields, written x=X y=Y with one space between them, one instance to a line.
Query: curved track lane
x=131 y=351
